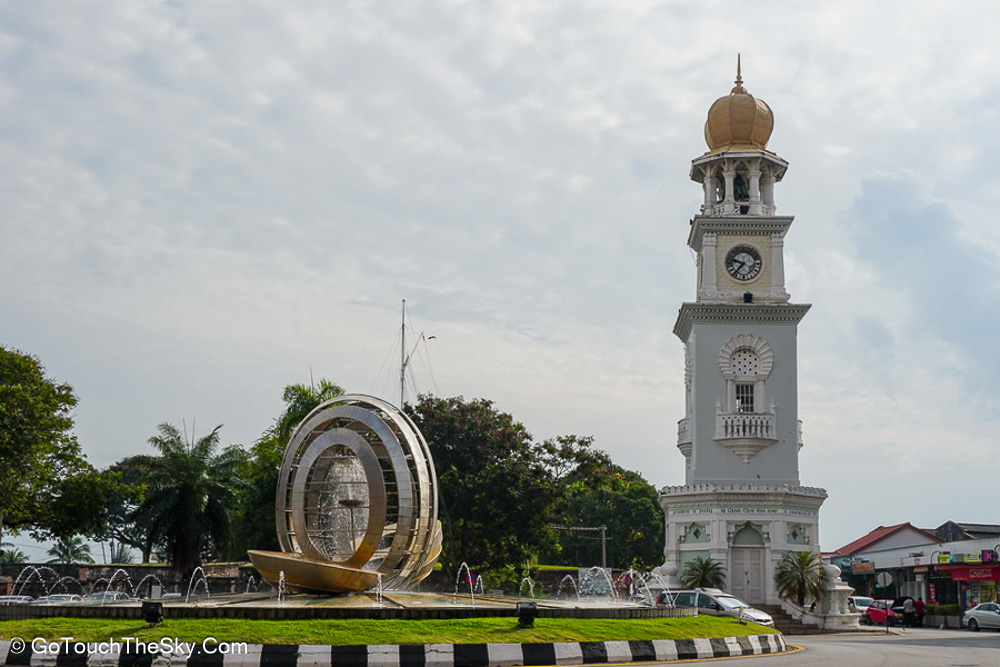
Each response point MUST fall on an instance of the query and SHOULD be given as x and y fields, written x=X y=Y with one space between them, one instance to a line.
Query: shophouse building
x=925 y=563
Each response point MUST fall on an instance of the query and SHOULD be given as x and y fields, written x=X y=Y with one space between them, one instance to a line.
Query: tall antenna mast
x=402 y=359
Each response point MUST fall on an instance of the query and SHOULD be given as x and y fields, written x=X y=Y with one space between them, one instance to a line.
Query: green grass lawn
x=342 y=632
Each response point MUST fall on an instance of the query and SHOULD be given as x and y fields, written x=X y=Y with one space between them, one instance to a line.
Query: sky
x=202 y=201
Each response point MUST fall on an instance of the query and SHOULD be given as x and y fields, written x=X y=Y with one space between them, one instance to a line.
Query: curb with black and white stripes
x=78 y=654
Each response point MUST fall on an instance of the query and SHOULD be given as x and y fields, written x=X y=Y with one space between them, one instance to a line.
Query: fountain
x=356 y=499
x=531 y=587
x=251 y=581
x=137 y=591
x=125 y=579
x=195 y=580
x=660 y=585
x=568 y=578
x=32 y=571
x=61 y=583
x=590 y=583
x=282 y=587
x=469 y=579
x=663 y=579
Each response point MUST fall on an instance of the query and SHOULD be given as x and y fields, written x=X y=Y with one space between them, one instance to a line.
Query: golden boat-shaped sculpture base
x=306 y=575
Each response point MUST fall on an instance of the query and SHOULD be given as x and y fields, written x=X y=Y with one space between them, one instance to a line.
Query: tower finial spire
x=738 y=88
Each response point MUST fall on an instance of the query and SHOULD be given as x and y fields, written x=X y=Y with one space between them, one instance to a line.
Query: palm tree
x=121 y=554
x=190 y=491
x=800 y=575
x=300 y=400
x=703 y=573
x=70 y=550
x=255 y=520
x=12 y=556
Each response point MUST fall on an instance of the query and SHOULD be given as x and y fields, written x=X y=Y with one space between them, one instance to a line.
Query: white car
x=16 y=599
x=107 y=596
x=59 y=598
x=714 y=602
x=859 y=603
x=983 y=615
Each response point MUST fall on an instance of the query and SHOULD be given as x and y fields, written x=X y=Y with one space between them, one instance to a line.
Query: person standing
x=919 y=607
x=908 y=610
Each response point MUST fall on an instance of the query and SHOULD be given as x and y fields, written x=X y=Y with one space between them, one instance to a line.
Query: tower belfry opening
x=740 y=435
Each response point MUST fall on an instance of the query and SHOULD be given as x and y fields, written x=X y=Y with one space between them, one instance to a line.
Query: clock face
x=743 y=262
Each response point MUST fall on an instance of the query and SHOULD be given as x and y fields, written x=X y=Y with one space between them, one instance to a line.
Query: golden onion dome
x=738 y=120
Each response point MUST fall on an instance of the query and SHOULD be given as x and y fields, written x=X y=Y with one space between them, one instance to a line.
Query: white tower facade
x=742 y=504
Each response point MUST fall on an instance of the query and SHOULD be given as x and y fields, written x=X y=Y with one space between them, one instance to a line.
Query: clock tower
x=742 y=504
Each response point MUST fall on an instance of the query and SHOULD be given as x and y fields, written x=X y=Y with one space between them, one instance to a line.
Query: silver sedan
x=983 y=615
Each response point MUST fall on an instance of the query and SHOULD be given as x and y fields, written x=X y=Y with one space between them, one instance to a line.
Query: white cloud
x=202 y=200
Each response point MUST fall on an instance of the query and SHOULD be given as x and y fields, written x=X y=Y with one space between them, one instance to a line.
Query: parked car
x=876 y=611
x=107 y=596
x=983 y=615
x=59 y=598
x=859 y=603
x=16 y=599
x=714 y=602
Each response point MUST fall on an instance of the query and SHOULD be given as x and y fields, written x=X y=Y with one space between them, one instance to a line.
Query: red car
x=875 y=614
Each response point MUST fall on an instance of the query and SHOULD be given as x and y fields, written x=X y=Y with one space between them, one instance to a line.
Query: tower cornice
x=739 y=224
x=748 y=154
x=737 y=313
x=725 y=494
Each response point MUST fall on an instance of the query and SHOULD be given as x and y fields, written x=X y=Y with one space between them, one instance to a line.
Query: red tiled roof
x=877 y=535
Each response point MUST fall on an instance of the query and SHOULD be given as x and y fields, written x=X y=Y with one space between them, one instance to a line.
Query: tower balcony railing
x=729 y=208
x=684 y=439
x=683 y=431
x=744 y=425
x=745 y=433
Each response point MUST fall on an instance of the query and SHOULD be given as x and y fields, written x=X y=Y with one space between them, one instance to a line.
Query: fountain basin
x=308 y=575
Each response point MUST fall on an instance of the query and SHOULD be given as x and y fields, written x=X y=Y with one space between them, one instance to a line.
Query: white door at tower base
x=746 y=574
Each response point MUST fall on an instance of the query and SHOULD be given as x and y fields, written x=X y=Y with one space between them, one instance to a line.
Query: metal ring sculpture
x=356 y=500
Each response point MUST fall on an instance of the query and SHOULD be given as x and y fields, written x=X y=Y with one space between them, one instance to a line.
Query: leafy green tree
x=70 y=550
x=255 y=520
x=703 y=573
x=121 y=510
x=617 y=498
x=497 y=494
x=78 y=504
x=800 y=575
x=190 y=491
x=37 y=447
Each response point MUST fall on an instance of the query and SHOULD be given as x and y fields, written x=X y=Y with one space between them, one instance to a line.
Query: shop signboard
x=973 y=573
x=984 y=556
x=866 y=567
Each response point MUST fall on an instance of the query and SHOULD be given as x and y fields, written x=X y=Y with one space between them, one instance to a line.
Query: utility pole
x=604 y=538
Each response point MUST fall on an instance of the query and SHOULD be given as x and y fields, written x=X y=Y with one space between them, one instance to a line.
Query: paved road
x=919 y=647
